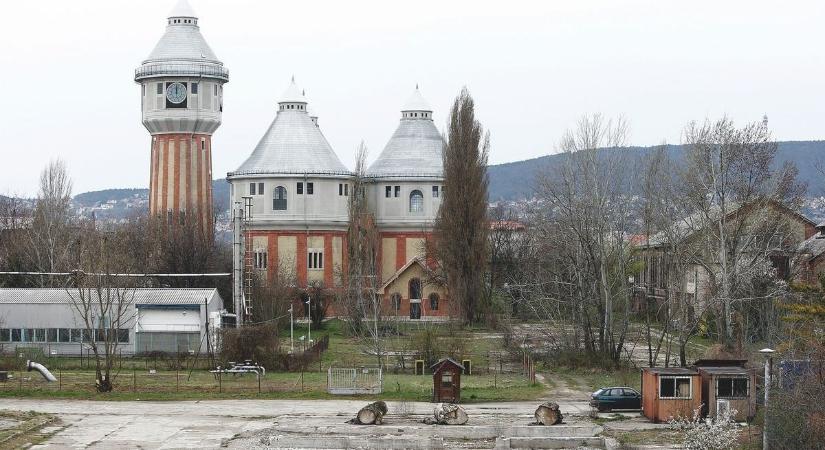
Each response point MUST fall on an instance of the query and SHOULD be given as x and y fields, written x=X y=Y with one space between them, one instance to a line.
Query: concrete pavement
x=216 y=423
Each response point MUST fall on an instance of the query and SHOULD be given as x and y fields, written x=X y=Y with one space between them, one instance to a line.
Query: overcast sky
x=66 y=70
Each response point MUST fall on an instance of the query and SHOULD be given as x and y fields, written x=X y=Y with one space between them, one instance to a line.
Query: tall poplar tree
x=461 y=226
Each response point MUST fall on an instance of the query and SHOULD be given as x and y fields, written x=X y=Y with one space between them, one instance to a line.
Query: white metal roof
x=414 y=150
x=416 y=102
x=142 y=296
x=292 y=94
x=182 y=50
x=293 y=145
x=182 y=9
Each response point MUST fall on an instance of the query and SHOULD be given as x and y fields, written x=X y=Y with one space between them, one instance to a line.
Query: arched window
x=395 y=299
x=279 y=199
x=434 y=301
x=415 y=288
x=416 y=201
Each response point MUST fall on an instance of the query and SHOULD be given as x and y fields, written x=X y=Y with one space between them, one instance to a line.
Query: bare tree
x=586 y=219
x=52 y=234
x=461 y=225
x=103 y=302
x=361 y=302
x=740 y=208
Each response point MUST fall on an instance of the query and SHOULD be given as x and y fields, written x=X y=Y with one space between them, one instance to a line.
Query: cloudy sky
x=66 y=69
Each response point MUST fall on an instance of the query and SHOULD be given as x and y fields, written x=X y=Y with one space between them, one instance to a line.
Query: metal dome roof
x=414 y=150
x=416 y=102
x=293 y=145
x=182 y=50
x=292 y=94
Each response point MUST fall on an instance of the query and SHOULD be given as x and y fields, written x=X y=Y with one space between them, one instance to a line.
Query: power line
x=125 y=275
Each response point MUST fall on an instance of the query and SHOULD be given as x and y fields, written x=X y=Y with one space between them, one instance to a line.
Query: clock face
x=176 y=93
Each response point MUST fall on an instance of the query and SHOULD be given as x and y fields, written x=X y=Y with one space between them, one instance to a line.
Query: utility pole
x=291 y=332
x=309 y=319
x=768 y=354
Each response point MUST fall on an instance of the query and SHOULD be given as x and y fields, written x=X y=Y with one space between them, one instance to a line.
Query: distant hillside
x=516 y=180
x=220 y=192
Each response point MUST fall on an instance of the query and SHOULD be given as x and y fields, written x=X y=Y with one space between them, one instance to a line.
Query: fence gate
x=345 y=381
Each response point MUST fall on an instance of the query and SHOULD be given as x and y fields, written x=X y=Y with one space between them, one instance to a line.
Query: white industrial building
x=157 y=320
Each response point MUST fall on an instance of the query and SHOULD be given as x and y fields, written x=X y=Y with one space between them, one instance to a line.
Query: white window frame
x=260 y=259
x=315 y=259
x=676 y=377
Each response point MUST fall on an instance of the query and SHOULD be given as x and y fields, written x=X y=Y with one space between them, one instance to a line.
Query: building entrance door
x=415 y=310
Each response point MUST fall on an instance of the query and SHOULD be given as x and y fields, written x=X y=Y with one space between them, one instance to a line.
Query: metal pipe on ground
x=31 y=365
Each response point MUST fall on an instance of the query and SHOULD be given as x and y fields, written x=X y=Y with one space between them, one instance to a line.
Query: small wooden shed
x=447 y=381
x=733 y=383
x=669 y=392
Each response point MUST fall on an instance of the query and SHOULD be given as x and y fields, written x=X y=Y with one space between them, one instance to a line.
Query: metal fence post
x=134 y=380
x=259 y=381
x=60 y=379
x=220 y=387
x=177 y=380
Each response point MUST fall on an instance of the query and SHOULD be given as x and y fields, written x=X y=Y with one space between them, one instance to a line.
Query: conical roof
x=182 y=9
x=182 y=50
x=293 y=145
x=416 y=102
x=414 y=150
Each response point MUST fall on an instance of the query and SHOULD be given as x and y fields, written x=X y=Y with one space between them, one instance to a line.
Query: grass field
x=171 y=385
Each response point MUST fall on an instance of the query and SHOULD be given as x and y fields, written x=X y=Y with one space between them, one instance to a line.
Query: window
x=203 y=144
x=346 y=190
x=731 y=387
x=309 y=188
x=260 y=189
x=252 y=190
x=39 y=335
x=5 y=335
x=51 y=335
x=194 y=88
x=76 y=334
x=398 y=191
x=143 y=90
x=123 y=335
x=260 y=259
x=675 y=387
x=160 y=88
x=388 y=192
x=416 y=201
x=299 y=188
x=64 y=335
x=434 y=301
x=415 y=288
x=315 y=259
x=395 y=299
x=340 y=188
x=279 y=199
x=216 y=89
x=16 y=335
x=435 y=191
x=447 y=380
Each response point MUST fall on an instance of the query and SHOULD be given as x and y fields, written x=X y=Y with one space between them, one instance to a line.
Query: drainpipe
x=31 y=365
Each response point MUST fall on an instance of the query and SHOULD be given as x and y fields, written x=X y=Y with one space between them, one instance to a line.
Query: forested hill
x=516 y=180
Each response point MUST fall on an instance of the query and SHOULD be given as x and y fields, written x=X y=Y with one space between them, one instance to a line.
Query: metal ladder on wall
x=248 y=258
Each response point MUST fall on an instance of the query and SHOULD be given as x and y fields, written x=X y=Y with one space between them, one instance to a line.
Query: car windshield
x=598 y=392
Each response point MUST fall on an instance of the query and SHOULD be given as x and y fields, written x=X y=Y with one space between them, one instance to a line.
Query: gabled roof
x=142 y=296
x=691 y=224
x=443 y=361
x=419 y=260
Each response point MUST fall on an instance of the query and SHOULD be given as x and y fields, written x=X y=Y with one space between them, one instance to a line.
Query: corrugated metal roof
x=145 y=296
x=182 y=42
x=671 y=370
x=413 y=151
x=293 y=145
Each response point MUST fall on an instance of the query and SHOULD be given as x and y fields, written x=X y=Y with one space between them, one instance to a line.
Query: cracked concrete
x=242 y=423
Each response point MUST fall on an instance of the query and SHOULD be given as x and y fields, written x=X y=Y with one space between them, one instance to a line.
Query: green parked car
x=606 y=399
